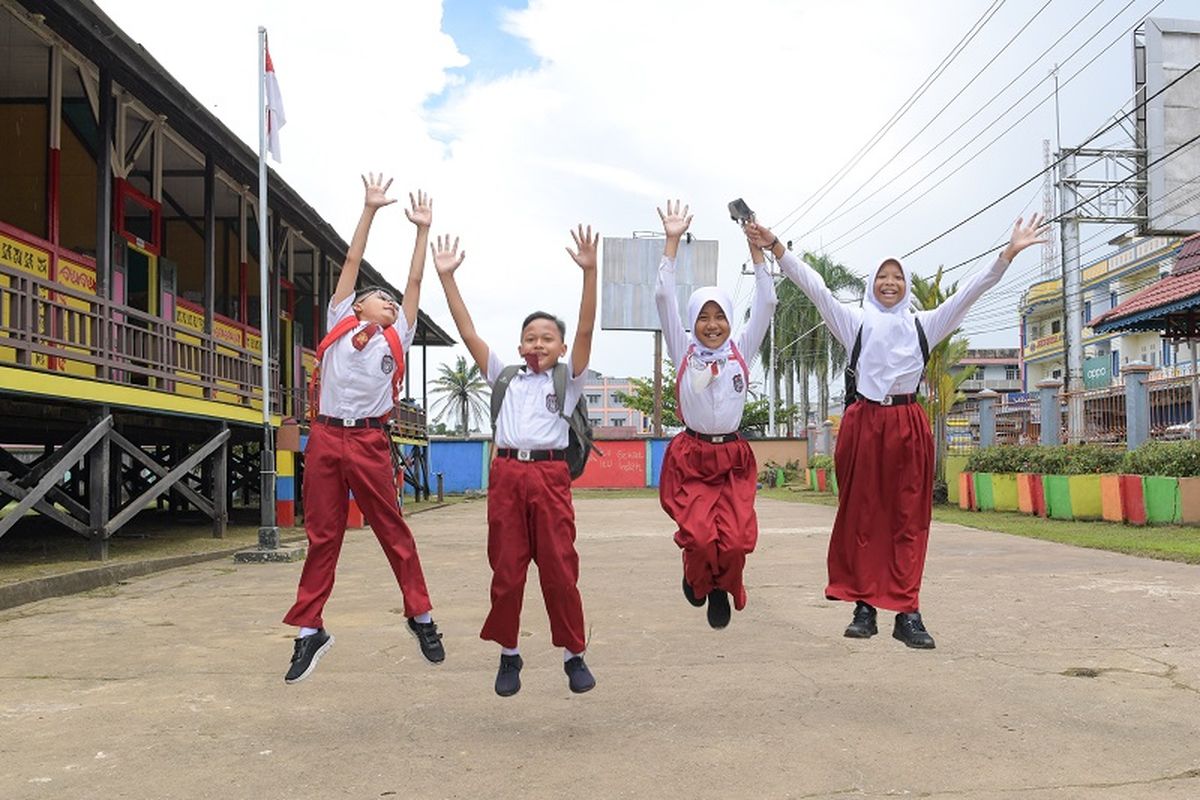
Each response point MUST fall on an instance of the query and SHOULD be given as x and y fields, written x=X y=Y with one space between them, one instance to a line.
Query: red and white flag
x=276 y=119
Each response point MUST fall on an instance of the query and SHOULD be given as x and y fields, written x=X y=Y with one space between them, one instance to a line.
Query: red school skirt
x=884 y=461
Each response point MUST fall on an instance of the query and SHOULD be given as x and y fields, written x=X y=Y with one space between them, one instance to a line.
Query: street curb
x=84 y=580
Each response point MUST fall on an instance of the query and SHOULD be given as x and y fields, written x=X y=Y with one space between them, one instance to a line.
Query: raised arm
x=446 y=259
x=843 y=320
x=376 y=198
x=586 y=246
x=675 y=224
x=764 y=304
x=940 y=322
x=421 y=215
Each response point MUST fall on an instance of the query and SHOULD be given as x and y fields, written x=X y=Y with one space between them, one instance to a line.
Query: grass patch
x=1166 y=542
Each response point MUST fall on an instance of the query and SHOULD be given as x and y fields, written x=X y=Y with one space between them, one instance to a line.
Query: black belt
x=531 y=455
x=713 y=438
x=891 y=400
x=366 y=422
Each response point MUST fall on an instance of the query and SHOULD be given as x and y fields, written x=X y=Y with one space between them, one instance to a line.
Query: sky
x=523 y=119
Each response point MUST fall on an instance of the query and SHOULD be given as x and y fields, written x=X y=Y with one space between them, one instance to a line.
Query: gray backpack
x=579 y=439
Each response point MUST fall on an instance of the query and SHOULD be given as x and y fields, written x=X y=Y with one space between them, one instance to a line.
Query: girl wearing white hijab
x=884 y=454
x=709 y=474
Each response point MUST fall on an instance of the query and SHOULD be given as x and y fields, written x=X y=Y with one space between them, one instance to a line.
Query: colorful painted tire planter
x=1131 y=499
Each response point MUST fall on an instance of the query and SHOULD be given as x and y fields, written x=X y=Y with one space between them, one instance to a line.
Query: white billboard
x=1164 y=49
x=629 y=273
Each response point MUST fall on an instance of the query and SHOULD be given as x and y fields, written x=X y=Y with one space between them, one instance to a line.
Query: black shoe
x=307 y=653
x=910 y=630
x=508 y=678
x=426 y=634
x=691 y=596
x=718 y=608
x=579 y=677
x=863 y=625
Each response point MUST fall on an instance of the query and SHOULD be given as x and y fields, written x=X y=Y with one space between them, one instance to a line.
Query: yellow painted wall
x=23 y=155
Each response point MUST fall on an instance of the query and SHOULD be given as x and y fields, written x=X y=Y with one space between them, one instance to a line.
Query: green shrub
x=1085 y=459
x=1171 y=459
x=821 y=461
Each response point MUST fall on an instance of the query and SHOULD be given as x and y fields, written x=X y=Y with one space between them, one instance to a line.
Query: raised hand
x=675 y=222
x=446 y=256
x=421 y=213
x=376 y=189
x=758 y=235
x=1026 y=235
x=587 y=246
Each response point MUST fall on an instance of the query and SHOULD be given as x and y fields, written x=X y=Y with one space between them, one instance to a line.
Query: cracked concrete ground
x=1059 y=673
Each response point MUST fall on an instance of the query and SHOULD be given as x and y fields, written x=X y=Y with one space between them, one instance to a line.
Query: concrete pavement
x=1059 y=673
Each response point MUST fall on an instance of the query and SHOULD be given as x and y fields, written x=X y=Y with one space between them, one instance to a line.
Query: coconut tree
x=943 y=377
x=463 y=395
x=827 y=357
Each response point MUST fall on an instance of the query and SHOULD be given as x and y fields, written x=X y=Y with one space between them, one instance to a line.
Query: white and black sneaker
x=308 y=651
x=427 y=636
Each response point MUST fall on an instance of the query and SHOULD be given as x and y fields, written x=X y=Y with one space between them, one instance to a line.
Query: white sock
x=307 y=632
x=568 y=655
x=424 y=619
x=510 y=651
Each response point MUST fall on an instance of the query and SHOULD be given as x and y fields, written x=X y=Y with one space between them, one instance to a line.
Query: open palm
x=675 y=222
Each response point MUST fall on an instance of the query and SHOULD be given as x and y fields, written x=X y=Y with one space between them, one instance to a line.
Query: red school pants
x=708 y=489
x=338 y=461
x=531 y=517
x=884 y=461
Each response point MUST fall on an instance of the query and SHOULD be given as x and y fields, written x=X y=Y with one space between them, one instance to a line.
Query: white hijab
x=890 y=348
x=701 y=353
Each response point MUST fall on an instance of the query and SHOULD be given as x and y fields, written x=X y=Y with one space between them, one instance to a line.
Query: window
x=1087 y=311
x=1166 y=354
x=1055 y=326
x=614 y=399
x=1116 y=363
x=593 y=399
x=1112 y=299
x=1012 y=372
x=1056 y=374
x=618 y=422
x=595 y=422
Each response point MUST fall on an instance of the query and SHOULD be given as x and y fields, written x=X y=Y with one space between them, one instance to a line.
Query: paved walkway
x=1059 y=673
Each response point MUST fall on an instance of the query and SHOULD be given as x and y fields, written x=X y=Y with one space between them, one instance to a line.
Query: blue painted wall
x=658 y=449
x=460 y=462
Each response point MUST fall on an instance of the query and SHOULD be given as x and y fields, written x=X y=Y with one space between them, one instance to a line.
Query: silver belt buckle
x=345 y=423
x=718 y=439
x=886 y=401
x=524 y=455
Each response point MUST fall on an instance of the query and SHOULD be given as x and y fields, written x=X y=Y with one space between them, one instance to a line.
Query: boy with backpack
x=530 y=513
x=354 y=388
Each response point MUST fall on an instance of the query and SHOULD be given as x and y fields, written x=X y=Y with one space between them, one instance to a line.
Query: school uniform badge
x=552 y=403
x=387 y=364
x=739 y=383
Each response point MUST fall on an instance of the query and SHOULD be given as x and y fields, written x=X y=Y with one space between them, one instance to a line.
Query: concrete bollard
x=987 y=417
x=441 y=488
x=827 y=437
x=1137 y=403
x=1051 y=414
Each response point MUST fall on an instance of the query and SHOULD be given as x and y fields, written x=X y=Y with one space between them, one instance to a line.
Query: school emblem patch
x=387 y=364
x=552 y=403
x=739 y=383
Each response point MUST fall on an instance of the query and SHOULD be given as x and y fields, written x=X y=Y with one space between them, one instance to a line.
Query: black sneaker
x=718 y=608
x=863 y=625
x=508 y=678
x=427 y=636
x=579 y=677
x=911 y=630
x=691 y=596
x=308 y=651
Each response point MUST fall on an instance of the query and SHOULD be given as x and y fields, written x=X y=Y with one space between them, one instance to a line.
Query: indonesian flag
x=276 y=119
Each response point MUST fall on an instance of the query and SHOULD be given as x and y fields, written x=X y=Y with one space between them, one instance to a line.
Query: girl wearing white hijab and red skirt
x=884 y=454
x=709 y=475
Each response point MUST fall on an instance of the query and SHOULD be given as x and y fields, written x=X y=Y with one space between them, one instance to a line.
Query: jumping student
x=884 y=454
x=530 y=513
x=709 y=474
x=359 y=364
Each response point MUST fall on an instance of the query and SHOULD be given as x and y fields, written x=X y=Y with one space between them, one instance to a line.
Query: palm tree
x=464 y=395
x=942 y=380
x=826 y=356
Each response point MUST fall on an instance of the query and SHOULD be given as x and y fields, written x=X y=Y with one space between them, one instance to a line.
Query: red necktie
x=362 y=337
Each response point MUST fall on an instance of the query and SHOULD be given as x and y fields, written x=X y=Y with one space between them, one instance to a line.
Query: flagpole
x=268 y=532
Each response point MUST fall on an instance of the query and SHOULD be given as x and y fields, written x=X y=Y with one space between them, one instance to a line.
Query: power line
x=896 y=116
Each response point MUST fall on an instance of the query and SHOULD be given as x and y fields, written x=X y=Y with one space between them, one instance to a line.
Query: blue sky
x=477 y=27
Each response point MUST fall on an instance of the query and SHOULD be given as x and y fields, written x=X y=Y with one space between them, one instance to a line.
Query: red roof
x=1181 y=285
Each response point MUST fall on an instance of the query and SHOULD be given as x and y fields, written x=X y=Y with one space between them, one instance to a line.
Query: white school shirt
x=358 y=383
x=890 y=361
x=529 y=418
x=717 y=408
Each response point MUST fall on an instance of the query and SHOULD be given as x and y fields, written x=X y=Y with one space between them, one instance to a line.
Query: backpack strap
x=922 y=340
x=498 y=390
x=858 y=349
x=343 y=326
x=561 y=372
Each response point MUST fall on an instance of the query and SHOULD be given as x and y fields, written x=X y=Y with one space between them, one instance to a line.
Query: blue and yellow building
x=130 y=341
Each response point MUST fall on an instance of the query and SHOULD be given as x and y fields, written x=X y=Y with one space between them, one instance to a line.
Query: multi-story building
x=998 y=369
x=1106 y=283
x=605 y=409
